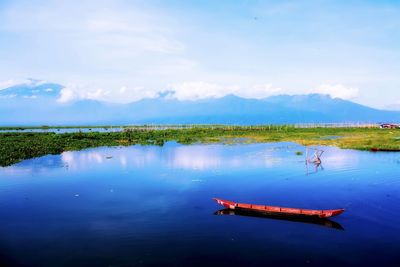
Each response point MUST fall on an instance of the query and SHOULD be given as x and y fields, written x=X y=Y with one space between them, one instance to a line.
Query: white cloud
x=259 y=91
x=67 y=94
x=95 y=27
x=337 y=90
x=125 y=94
x=73 y=92
x=192 y=90
x=30 y=97
x=181 y=91
x=202 y=90
x=198 y=90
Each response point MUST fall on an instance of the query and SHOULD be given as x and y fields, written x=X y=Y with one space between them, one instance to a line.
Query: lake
x=152 y=206
x=63 y=130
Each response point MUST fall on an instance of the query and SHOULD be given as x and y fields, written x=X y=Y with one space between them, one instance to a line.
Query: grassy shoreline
x=133 y=126
x=17 y=146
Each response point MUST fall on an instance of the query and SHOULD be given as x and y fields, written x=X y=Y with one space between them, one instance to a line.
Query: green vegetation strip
x=15 y=146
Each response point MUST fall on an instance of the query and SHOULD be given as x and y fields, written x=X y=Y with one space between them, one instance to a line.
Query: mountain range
x=35 y=103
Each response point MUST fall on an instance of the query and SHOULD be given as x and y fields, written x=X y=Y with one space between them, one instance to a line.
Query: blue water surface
x=151 y=206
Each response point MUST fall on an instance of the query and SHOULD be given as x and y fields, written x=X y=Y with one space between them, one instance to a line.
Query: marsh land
x=17 y=146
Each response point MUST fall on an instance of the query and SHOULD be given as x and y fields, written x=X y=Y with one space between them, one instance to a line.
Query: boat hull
x=292 y=218
x=273 y=210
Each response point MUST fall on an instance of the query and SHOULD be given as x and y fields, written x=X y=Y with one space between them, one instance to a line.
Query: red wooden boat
x=278 y=210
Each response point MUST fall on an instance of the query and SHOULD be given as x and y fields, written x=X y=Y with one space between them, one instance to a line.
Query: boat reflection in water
x=294 y=218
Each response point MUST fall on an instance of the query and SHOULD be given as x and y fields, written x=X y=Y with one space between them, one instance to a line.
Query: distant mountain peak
x=166 y=94
x=231 y=96
x=32 y=89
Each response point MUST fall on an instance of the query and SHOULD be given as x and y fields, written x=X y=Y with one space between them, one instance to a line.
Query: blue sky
x=122 y=51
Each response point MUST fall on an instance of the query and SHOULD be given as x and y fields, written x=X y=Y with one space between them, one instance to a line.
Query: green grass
x=15 y=147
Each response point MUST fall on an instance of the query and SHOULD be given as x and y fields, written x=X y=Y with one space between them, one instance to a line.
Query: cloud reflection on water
x=188 y=157
x=195 y=158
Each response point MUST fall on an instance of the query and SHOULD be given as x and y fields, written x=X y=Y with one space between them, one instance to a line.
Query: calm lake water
x=151 y=206
x=63 y=130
